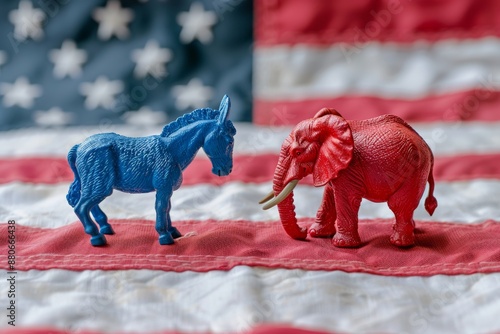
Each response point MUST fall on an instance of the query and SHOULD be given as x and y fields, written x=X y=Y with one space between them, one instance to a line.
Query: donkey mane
x=205 y=114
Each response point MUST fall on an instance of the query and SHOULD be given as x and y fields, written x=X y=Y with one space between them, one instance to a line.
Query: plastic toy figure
x=381 y=159
x=108 y=161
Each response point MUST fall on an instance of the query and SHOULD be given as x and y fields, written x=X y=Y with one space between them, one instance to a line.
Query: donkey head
x=219 y=142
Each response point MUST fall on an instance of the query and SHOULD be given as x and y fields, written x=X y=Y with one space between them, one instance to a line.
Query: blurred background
x=68 y=62
x=146 y=62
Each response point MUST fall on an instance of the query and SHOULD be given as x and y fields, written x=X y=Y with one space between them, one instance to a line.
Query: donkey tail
x=431 y=202
x=73 y=195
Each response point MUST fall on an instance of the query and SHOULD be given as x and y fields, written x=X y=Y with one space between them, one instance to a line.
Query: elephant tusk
x=267 y=197
x=282 y=195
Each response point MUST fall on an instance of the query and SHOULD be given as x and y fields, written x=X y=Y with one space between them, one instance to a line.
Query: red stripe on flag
x=247 y=168
x=222 y=245
x=354 y=22
x=472 y=105
x=467 y=167
x=35 y=170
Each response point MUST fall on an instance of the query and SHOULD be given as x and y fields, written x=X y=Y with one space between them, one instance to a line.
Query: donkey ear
x=336 y=148
x=224 y=108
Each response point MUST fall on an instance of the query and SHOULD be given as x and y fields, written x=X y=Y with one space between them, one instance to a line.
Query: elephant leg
x=324 y=225
x=347 y=204
x=102 y=220
x=403 y=203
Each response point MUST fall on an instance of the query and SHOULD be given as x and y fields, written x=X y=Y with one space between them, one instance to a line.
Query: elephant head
x=321 y=146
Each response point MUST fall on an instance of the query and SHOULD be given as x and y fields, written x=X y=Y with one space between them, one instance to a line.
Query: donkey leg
x=97 y=178
x=162 y=225
x=102 y=220
x=82 y=210
x=170 y=228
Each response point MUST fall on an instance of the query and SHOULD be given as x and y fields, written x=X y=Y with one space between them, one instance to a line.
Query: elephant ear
x=336 y=148
x=327 y=111
x=283 y=167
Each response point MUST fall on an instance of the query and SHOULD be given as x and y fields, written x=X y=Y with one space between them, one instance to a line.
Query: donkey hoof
x=107 y=229
x=98 y=240
x=175 y=232
x=166 y=239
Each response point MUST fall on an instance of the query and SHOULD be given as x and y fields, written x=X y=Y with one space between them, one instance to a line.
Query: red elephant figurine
x=381 y=159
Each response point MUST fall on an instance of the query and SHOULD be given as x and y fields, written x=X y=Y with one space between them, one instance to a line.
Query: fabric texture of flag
x=72 y=69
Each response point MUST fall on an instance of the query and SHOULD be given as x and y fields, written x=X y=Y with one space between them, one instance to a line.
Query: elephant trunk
x=286 y=207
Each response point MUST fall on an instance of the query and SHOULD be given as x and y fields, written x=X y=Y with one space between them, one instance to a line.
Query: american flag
x=107 y=62
x=71 y=69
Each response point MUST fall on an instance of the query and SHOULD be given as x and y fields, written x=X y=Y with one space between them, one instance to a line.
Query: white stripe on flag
x=443 y=138
x=387 y=70
x=46 y=206
x=145 y=301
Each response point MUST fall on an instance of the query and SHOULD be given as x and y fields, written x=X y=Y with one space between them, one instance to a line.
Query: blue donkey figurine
x=108 y=161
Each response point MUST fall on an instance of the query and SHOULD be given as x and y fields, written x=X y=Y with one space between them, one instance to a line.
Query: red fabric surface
x=296 y=21
x=473 y=105
x=222 y=245
x=247 y=168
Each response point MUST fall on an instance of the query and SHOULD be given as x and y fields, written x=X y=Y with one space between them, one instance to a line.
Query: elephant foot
x=345 y=240
x=98 y=240
x=318 y=230
x=401 y=239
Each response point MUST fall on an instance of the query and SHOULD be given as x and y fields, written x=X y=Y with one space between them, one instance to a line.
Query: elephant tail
x=73 y=195
x=431 y=202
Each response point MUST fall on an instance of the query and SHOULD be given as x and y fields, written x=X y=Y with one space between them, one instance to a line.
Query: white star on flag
x=101 y=92
x=21 y=93
x=27 y=21
x=145 y=116
x=151 y=60
x=194 y=94
x=68 y=60
x=52 y=117
x=113 y=20
x=196 y=24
